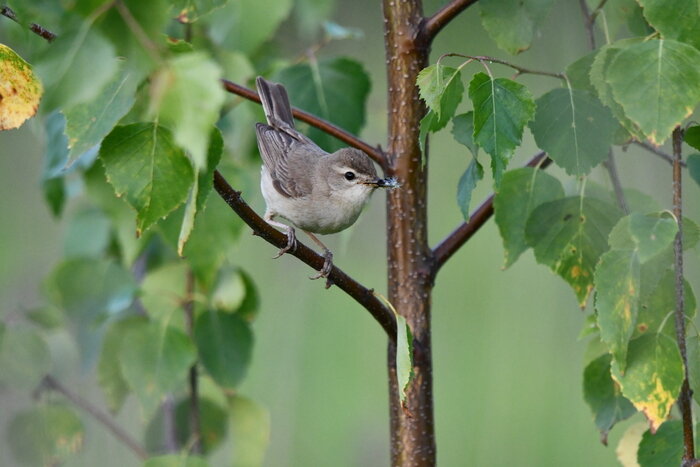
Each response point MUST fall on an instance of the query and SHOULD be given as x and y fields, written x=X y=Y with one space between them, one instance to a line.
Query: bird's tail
x=275 y=102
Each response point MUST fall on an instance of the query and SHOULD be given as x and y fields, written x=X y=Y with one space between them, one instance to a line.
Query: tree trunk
x=409 y=256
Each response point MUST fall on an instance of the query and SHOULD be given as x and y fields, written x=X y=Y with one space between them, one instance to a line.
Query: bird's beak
x=389 y=182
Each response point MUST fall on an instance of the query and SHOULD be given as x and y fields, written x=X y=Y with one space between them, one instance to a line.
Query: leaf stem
x=611 y=166
x=49 y=382
x=684 y=401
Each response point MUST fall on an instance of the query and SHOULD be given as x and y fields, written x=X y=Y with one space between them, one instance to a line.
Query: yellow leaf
x=20 y=90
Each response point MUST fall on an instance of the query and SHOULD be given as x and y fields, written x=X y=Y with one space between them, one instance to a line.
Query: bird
x=316 y=191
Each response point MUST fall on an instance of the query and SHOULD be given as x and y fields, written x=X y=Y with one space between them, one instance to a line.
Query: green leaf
x=652 y=233
x=656 y=82
x=694 y=167
x=512 y=23
x=213 y=423
x=155 y=359
x=692 y=136
x=569 y=235
x=88 y=234
x=663 y=448
x=579 y=71
x=617 y=300
x=430 y=123
x=189 y=11
x=249 y=426
x=55 y=159
x=189 y=99
x=600 y=82
x=463 y=131
x=574 y=129
x=152 y=18
x=674 y=19
x=111 y=290
x=404 y=356
x=87 y=123
x=20 y=92
x=693 y=348
x=336 y=90
x=244 y=25
x=653 y=376
x=521 y=191
x=109 y=370
x=45 y=435
x=200 y=190
x=143 y=164
x=24 y=358
x=603 y=396
x=76 y=67
x=47 y=317
x=466 y=185
x=164 y=290
x=176 y=460
x=658 y=304
x=235 y=292
x=441 y=88
x=225 y=344
x=502 y=108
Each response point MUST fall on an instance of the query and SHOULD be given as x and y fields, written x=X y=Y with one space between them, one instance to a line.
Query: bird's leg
x=291 y=236
x=327 y=264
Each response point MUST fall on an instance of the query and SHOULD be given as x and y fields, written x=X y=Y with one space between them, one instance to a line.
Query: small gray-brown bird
x=316 y=191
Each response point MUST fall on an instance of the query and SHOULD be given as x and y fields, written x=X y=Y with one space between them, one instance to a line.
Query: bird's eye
x=349 y=176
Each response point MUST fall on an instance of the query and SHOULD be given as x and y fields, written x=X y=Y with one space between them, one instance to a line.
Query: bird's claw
x=326 y=269
x=291 y=243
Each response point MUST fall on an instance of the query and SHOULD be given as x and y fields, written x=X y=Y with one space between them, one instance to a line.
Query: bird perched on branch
x=316 y=191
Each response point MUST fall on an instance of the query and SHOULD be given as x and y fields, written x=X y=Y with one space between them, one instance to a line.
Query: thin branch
x=443 y=16
x=49 y=382
x=520 y=70
x=588 y=23
x=376 y=154
x=194 y=414
x=361 y=294
x=611 y=166
x=684 y=401
x=454 y=241
x=654 y=150
x=141 y=36
x=35 y=28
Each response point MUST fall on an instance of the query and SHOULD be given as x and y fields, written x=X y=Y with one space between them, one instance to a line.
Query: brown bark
x=410 y=260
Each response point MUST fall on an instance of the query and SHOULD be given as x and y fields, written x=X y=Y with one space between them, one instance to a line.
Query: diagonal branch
x=376 y=154
x=35 y=28
x=447 y=13
x=49 y=382
x=454 y=241
x=361 y=294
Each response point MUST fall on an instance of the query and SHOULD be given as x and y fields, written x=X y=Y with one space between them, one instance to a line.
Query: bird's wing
x=282 y=147
x=283 y=154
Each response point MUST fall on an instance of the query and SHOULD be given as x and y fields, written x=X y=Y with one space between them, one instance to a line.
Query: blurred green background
x=508 y=361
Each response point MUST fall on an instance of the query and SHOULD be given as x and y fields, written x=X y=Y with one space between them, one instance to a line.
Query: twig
x=169 y=425
x=615 y=180
x=35 y=28
x=588 y=23
x=49 y=382
x=520 y=70
x=194 y=417
x=376 y=154
x=454 y=241
x=361 y=294
x=654 y=150
x=443 y=16
x=684 y=401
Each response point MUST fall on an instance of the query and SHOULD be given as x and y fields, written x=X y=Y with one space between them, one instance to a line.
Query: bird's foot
x=326 y=269
x=291 y=243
